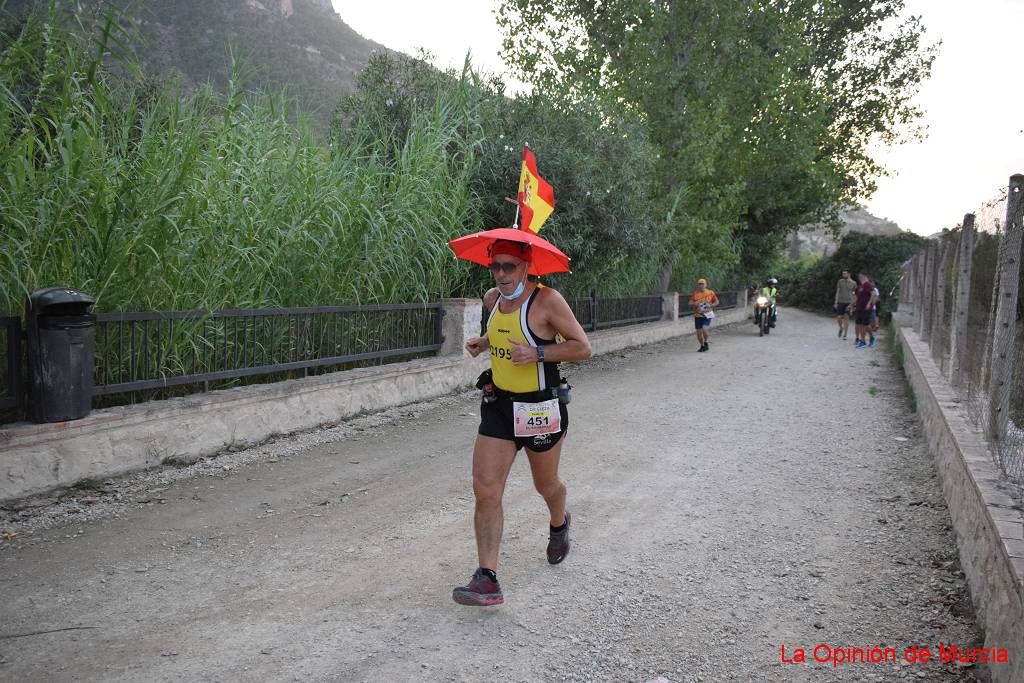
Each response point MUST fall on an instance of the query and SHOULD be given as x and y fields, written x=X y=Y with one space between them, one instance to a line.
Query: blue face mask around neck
x=515 y=294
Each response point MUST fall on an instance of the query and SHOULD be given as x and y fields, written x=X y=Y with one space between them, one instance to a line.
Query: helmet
x=772 y=281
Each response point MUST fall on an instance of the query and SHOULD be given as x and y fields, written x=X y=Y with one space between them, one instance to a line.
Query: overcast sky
x=974 y=107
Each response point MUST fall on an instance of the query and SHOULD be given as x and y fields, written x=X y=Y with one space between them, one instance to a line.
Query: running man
x=703 y=301
x=530 y=330
x=845 y=288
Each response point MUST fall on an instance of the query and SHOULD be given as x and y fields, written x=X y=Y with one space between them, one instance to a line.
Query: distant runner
x=530 y=330
x=703 y=301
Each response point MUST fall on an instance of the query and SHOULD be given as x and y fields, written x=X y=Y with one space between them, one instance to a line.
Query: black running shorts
x=496 y=420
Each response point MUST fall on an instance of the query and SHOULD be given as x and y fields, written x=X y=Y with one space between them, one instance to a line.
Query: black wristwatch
x=540 y=353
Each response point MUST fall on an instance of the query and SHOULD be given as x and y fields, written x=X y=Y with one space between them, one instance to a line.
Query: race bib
x=537 y=419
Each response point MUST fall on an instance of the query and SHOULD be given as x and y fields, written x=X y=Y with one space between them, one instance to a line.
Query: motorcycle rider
x=770 y=291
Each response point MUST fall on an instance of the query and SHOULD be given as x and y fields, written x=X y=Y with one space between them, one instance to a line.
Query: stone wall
x=988 y=523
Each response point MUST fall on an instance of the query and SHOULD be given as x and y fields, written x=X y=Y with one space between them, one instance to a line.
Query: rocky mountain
x=299 y=45
x=820 y=241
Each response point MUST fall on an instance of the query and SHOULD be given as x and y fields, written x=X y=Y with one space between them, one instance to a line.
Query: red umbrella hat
x=476 y=248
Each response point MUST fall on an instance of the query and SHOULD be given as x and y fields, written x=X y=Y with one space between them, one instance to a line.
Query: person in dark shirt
x=862 y=309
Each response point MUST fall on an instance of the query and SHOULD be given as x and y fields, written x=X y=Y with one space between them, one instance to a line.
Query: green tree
x=760 y=111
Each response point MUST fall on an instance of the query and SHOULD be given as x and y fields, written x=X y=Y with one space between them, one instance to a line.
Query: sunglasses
x=507 y=268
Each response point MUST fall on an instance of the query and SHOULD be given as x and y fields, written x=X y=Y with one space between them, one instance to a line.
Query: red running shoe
x=482 y=591
x=558 y=542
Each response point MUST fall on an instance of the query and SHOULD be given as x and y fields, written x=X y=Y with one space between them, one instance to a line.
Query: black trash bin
x=61 y=336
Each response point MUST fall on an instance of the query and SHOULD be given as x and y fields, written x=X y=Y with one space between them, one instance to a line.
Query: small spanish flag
x=536 y=198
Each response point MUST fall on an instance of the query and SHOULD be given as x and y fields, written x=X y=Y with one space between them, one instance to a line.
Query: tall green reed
x=148 y=199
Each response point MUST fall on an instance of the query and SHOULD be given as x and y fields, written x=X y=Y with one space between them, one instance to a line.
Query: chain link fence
x=964 y=292
x=979 y=315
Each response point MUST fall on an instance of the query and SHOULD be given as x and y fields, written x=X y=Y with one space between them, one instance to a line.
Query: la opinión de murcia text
x=822 y=653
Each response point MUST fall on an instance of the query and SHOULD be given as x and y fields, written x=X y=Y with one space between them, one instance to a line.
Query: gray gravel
x=772 y=492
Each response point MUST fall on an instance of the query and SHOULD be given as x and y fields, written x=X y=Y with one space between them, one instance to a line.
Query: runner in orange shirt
x=703 y=301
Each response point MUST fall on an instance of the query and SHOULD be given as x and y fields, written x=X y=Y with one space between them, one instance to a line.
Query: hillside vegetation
x=300 y=45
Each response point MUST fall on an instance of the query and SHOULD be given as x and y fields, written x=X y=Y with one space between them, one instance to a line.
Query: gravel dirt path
x=772 y=492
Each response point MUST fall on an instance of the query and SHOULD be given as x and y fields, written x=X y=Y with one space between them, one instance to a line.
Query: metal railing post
x=593 y=310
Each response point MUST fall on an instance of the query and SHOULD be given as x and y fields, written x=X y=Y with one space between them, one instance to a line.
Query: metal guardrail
x=155 y=350
x=10 y=380
x=595 y=313
x=726 y=300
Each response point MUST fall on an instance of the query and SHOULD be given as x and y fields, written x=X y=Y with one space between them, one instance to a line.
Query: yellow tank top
x=502 y=328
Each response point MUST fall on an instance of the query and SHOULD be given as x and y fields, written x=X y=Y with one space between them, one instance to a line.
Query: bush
x=793 y=275
x=880 y=256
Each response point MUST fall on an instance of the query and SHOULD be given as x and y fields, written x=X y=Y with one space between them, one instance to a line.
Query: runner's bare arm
x=478 y=345
x=559 y=318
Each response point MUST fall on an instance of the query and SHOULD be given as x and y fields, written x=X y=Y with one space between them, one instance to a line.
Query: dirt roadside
x=773 y=492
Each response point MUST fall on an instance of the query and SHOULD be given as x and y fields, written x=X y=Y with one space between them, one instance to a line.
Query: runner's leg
x=544 y=467
x=492 y=460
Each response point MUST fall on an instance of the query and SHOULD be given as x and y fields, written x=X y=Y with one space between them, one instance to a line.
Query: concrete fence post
x=670 y=306
x=906 y=284
x=1004 y=357
x=918 y=276
x=460 y=321
x=965 y=261
x=932 y=266
x=933 y=284
x=945 y=252
x=922 y=289
x=910 y=280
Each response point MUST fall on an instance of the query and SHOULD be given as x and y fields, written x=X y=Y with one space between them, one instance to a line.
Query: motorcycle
x=763 y=315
